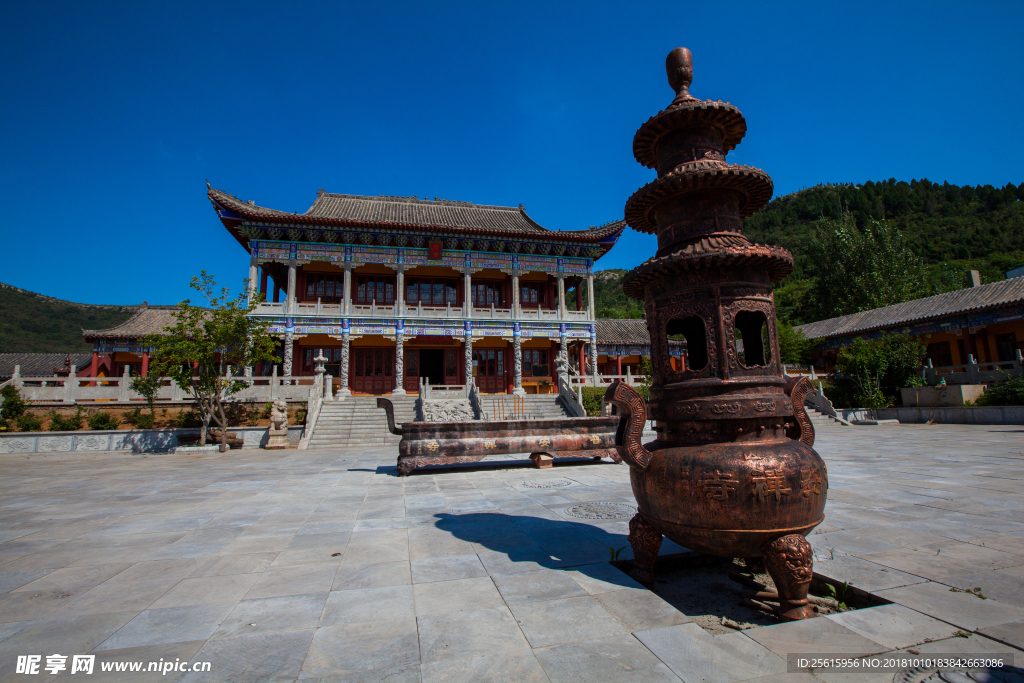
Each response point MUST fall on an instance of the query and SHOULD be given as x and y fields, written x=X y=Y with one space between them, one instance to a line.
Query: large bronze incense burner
x=732 y=472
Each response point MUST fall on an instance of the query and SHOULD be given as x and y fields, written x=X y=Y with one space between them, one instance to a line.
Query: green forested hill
x=953 y=229
x=33 y=323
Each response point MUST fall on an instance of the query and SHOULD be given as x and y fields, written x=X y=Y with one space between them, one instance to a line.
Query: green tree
x=876 y=370
x=794 y=346
x=197 y=351
x=861 y=269
x=148 y=386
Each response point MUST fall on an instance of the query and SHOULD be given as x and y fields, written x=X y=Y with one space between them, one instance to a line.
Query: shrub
x=1009 y=393
x=187 y=419
x=103 y=420
x=592 y=400
x=14 y=405
x=252 y=417
x=27 y=422
x=300 y=416
x=59 y=423
x=136 y=418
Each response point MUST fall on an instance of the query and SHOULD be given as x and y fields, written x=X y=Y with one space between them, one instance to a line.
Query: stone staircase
x=357 y=421
x=535 y=406
x=822 y=421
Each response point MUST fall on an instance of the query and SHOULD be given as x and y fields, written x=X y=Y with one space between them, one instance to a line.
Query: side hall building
x=395 y=289
x=979 y=324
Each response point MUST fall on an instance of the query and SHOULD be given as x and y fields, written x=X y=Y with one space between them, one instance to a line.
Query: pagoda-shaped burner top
x=732 y=472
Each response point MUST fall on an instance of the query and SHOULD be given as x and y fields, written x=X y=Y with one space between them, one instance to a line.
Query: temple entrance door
x=373 y=370
x=451 y=365
x=490 y=370
x=432 y=365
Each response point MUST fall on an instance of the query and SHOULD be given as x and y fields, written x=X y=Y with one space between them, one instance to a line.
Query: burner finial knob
x=679 y=65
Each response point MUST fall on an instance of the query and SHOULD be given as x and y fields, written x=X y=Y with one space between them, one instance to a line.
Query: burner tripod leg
x=645 y=539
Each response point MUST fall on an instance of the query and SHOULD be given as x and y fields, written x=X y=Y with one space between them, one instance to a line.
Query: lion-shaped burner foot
x=791 y=565
x=645 y=539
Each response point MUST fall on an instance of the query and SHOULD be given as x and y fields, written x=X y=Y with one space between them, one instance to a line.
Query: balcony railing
x=308 y=309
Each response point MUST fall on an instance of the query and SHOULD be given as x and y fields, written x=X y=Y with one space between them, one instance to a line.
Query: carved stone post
x=468 y=330
x=291 y=285
x=593 y=352
x=400 y=286
x=343 y=390
x=515 y=296
x=517 y=346
x=561 y=297
x=347 y=305
x=590 y=297
x=289 y=341
x=563 y=350
x=399 y=389
x=253 y=278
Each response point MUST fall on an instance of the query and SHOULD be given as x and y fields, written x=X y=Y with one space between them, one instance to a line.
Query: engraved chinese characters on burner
x=544 y=443
x=770 y=483
x=433 y=446
x=810 y=481
x=718 y=486
x=490 y=444
x=595 y=439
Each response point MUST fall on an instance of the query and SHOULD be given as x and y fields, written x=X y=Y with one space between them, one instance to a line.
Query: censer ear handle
x=389 y=409
x=631 y=427
x=800 y=428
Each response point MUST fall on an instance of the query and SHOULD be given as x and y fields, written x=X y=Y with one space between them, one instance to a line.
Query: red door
x=373 y=370
x=490 y=370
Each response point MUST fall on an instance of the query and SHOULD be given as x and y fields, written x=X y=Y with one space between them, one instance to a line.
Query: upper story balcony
x=448 y=312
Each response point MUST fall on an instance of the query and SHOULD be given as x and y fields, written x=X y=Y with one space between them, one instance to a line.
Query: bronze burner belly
x=732 y=473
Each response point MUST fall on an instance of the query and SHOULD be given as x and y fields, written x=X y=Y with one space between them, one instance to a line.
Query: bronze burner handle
x=631 y=426
x=801 y=428
x=390 y=410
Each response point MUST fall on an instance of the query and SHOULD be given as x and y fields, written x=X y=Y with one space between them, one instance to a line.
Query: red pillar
x=968 y=345
x=618 y=365
x=145 y=363
x=95 y=367
x=583 y=360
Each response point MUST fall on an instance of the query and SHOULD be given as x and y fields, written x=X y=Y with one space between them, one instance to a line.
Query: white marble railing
x=74 y=389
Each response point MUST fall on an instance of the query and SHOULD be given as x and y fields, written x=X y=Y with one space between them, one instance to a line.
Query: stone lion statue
x=279 y=415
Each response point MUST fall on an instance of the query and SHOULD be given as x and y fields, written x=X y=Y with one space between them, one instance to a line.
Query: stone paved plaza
x=276 y=566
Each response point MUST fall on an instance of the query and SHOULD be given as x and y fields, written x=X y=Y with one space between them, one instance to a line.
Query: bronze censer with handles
x=732 y=472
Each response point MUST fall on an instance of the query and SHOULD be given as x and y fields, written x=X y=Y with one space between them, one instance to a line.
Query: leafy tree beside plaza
x=870 y=373
x=862 y=268
x=197 y=351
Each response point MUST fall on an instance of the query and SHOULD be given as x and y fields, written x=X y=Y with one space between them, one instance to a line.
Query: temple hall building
x=395 y=289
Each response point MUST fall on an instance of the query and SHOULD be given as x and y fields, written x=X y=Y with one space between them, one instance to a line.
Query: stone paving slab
x=325 y=565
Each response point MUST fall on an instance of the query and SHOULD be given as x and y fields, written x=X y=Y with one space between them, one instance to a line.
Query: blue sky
x=114 y=114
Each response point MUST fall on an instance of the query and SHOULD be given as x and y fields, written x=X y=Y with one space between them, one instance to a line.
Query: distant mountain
x=953 y=228
x=34 y=323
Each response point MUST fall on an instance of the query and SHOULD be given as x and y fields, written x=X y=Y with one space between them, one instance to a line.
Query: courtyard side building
x=984 y=323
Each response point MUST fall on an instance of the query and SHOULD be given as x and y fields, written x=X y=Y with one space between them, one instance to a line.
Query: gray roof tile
x=147 y=320
x=390 y=211
x=39 y=364
x=969 y=300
